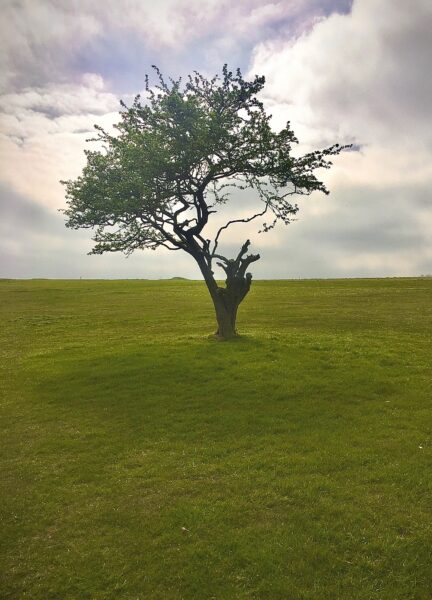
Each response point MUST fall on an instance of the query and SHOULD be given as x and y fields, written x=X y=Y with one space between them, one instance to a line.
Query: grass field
x=142 y=460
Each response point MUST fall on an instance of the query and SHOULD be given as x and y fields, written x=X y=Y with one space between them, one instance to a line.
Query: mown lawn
x=142 y=460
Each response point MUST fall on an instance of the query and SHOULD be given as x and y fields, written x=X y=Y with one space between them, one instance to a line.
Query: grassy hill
x=142 y=460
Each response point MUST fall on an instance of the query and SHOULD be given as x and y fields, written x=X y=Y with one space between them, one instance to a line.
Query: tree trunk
x=227 y=300
x=226 y=316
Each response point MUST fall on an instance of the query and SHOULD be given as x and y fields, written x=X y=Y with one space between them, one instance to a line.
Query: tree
x=174 y=159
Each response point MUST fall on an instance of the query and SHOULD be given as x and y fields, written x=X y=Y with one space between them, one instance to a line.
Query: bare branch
x=246 y=220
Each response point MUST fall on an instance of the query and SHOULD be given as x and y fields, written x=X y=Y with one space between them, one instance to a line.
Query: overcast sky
x=340 y=71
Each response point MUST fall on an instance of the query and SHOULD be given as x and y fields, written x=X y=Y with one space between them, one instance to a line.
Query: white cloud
x=85 y=97
x=361 y=77
x=44 y=41
x=37 y=37
x=44 y=132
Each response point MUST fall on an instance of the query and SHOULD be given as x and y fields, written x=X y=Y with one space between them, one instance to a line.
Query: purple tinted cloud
x=57 y=42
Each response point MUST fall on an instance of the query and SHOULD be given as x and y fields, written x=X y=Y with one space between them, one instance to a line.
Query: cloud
x=38 y=39
x=43 y=132
x=352 y=232
x=51 y=105
x=34 y=242
x=361 y=78
x=50 y=42
x=54 y=100
x=358 y=76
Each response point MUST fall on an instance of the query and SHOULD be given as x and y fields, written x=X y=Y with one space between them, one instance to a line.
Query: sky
x=340 y=70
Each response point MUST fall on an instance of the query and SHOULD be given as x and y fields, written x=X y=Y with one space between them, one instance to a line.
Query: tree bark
x=226 y=321
x=227 y=303
x=227 y=300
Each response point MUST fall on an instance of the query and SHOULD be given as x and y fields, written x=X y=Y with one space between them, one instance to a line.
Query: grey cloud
x=371 y=219
x=34 y=242
x=363 y=75
x=363 y=231
x=367 y=232
x=19 y=214
x=378 y=222
x=84 y=97
x=45 y=42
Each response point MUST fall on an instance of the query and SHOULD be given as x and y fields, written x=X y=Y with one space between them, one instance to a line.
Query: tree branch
x=246 y=220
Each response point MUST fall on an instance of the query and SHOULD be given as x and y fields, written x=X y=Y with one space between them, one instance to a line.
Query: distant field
x=140 y=460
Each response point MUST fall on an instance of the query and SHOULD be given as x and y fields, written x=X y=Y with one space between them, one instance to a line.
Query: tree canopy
x=175 y=157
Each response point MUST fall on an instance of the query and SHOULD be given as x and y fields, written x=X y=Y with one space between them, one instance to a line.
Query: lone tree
x=175 y=159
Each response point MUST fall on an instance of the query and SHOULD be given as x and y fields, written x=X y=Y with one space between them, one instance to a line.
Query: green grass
x=142 y=460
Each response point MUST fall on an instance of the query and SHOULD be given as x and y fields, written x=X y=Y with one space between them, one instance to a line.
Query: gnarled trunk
x=227 y=300
x=226 y=322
